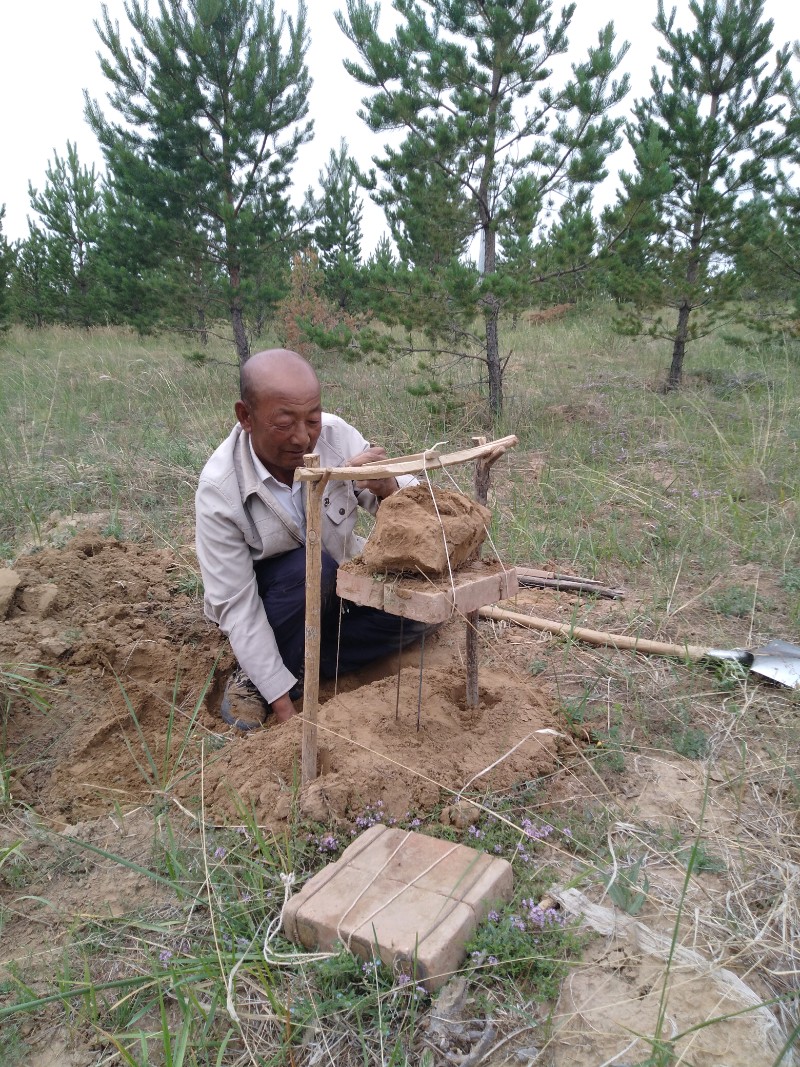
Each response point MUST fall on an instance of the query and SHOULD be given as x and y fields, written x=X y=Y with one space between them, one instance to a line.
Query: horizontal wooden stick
x=390 y=468
x=596 y=637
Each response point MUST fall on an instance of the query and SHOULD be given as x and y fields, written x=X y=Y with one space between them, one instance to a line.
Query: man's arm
x=379 y=487
x=232 y=596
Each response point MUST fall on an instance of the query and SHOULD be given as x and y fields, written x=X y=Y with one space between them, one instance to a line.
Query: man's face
x=283 y=426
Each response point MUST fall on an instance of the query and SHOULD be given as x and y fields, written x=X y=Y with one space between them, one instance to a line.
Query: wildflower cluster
x=326 y=843
x=537 y=918
x=374 y=813
x=406 y=984
x=370 y=816
x=167 y=955
x=537 y=833
x=524 y=942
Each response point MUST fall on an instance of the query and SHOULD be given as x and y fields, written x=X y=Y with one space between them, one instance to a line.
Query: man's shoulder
x=220 y=464
x=339 y=438
x=335 y=423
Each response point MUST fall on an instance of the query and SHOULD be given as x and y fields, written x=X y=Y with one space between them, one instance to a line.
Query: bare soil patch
x=132 y=662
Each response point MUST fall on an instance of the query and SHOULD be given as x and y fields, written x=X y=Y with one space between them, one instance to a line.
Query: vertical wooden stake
x=314 y=491
x=481 y=495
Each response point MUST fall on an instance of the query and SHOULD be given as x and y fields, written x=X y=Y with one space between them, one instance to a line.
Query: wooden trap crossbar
x=483 y=453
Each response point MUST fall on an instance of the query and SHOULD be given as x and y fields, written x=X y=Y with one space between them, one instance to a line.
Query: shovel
x=779 y=660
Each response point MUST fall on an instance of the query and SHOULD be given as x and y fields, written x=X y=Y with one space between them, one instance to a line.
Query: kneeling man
x=250 y=531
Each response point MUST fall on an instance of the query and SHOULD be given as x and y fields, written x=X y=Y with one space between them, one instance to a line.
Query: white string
x=369 y=885
x=439 y=517
x=400 y=891
x=486 y=528
x=277 y=959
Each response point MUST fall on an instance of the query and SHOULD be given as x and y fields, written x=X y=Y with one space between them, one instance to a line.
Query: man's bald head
x=280 y=408
x=273 y=372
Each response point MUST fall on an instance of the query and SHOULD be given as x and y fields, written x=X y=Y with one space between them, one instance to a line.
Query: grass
x=690 y=501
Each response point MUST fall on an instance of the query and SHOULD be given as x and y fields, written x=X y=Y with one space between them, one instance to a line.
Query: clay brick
x=411 y=899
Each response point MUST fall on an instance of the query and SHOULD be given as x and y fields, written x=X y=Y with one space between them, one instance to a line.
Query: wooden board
x=428 y=599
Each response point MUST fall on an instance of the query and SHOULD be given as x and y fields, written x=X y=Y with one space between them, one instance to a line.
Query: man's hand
x=381 y=487
x=283 y=709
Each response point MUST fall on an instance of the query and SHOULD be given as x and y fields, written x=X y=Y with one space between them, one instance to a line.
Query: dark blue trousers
x=366 y=634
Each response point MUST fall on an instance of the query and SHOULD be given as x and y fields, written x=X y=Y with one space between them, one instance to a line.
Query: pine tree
x=470 y=84
x=716 y=113
x=70 y=212
x=338 y=234
x=35 y=297
x=211 y=99
x=6 y=265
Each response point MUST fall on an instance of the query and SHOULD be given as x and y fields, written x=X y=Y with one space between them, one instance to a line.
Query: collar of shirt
x=290 y=498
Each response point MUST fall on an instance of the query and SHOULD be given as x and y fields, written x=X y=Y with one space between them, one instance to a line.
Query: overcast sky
x=48 y=56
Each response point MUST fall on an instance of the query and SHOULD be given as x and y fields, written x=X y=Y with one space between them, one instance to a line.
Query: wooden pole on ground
x=314 y=492
x=597 y=637
x=481 y=495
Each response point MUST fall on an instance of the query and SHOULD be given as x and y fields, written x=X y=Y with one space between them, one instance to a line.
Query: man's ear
x=243 y=415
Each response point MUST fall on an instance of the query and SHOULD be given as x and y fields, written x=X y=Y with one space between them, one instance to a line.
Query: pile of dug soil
x=134 y=674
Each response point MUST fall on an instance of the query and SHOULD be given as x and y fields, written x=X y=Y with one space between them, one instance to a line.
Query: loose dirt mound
x=130 y=664
x=118 y=646
x=368 y=754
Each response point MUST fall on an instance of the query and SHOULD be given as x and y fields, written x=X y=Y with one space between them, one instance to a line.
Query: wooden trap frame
x=467 y=595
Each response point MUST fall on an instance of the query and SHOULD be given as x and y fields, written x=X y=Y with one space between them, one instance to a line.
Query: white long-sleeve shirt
x=239 y=521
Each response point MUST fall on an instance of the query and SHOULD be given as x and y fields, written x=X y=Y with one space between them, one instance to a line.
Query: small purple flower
x=493 y=916
x=536 y=916
x=415 y=823
x=473 y=831
x=566 y=831
x=165 y=956
x=403 y=979
x=492 y=961
x=246 y=898
x=220 y=853
x=538 y=833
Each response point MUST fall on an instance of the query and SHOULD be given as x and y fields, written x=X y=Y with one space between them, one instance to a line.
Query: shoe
x=242 y=705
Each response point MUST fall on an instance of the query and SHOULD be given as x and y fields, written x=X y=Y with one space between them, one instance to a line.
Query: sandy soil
x=129 y=662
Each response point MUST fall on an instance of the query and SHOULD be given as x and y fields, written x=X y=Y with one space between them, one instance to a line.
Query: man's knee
x=282 y=589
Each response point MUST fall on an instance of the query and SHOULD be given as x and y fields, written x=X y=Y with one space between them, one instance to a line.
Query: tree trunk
x=202 y=328
x=696 y=259
x=237 y=318
x=493 y=359
x=491 y=303
x=491 y=317
x=679 y=347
